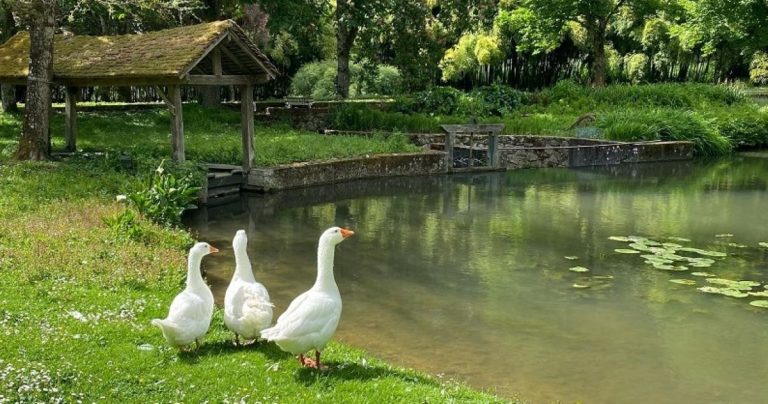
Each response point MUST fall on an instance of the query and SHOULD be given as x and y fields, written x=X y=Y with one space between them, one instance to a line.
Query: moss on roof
x=157 y=54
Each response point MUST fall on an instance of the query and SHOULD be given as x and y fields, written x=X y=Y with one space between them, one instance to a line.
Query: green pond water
x=466 y=276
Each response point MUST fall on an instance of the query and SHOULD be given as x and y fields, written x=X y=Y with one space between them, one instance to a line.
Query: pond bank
x=79 y=291
x=515 y=152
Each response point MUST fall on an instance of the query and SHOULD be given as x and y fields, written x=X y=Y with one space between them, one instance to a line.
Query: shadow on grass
x=356 y=371
x=227 y=347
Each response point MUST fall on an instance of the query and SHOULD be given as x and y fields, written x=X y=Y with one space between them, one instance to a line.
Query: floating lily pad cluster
x=667 y=256
x=737 y=289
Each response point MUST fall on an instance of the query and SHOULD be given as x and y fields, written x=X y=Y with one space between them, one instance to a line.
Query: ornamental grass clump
x=664 y=124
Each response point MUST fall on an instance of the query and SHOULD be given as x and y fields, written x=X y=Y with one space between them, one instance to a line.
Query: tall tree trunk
x=345 y=38
x=35 y=141
x=599 y=61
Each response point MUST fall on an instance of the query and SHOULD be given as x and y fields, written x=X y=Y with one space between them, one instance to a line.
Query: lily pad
x=619 y=238
x=580 y=286
x=639 y=247
x=578 y=269
x=626 y=251
x=571 y=257
x=680 y=239
x=731 y=284
x=759 y=303
x=724 y=235
x=637 y=239
x=737 y=245
x=667 y=267
x=723 y=291
x=704 y=274
x=671 y=245
x=704 y=252
x=762 y=293
x=683 y=281
x=602 y=277
x=700 y=264
x=763 y=244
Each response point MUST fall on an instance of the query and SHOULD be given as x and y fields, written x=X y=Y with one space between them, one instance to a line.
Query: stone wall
x=328 y=172
x=312 y=119
x=594 y=155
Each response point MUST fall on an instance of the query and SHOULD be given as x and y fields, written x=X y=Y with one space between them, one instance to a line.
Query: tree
x=539 y=25
x=7 y=29
x=35 y=141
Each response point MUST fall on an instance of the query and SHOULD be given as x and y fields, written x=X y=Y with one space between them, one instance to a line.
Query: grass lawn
x=211 y=136
x=77 y=297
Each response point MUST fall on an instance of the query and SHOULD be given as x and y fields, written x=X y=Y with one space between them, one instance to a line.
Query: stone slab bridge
x=210 y=54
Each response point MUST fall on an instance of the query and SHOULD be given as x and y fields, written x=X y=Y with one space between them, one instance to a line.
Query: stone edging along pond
x=515 y=152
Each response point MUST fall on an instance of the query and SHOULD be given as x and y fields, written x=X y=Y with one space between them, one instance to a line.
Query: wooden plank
x=70 y=118
x=167 y=100
x=449 y=150
x=216 y=59
x=233 y=58
x=207 y=50
x=246 y=118
x=474 y=128
x=177 y=124
x=493 y=150
x=248 y=50
x=223 y=80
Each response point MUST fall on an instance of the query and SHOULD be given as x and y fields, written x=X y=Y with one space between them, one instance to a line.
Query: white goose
x=312 y=317
x=247 y=309
x=190 y=314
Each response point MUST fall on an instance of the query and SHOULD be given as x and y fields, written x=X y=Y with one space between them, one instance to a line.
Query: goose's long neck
x=243 y=268
x=325 y=280
x=194 y=276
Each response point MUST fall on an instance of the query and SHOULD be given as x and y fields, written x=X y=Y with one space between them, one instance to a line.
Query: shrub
x=165 y=196
x=758 y=69
x=386 y=81
x=748 y=129
x=664 y=124
x=436 y=101
x=498 y=99
x=318 y=80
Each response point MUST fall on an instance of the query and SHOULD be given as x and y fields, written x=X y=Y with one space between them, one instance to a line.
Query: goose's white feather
x=247 y=308
x=191 y=310
x=312 y=317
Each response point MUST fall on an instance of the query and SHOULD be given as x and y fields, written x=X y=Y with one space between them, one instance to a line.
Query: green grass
x=716 y=118
x=211 y=136
x=76 y=300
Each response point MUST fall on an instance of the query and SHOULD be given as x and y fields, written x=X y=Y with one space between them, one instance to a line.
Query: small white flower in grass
x=77 y=315
x=121 y=198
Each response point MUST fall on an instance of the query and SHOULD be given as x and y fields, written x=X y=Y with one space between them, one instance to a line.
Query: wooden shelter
x=211 y=54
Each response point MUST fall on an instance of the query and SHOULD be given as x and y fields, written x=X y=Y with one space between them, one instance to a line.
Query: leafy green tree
x=539 y=25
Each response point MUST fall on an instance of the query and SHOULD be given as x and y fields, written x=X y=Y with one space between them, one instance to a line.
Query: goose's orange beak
x=346 y=233
x=212 y=249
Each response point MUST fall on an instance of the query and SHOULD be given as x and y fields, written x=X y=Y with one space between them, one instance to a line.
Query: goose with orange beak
x=311 y=319
x=190 y=314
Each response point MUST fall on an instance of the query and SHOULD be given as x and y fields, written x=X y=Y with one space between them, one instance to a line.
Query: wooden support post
x=177 y=123
x=449 y=149
x=246 y=119
x=70 y=118
x=493 y=150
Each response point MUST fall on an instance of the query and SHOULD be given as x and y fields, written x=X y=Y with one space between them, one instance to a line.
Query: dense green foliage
x=717 y=118
x=664 y=124
x=79 y=291
x=317 y=80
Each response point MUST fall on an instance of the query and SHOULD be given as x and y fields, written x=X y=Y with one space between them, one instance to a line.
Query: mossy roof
x=169 y=53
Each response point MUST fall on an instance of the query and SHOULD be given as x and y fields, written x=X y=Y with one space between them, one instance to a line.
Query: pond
x=468 y=276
